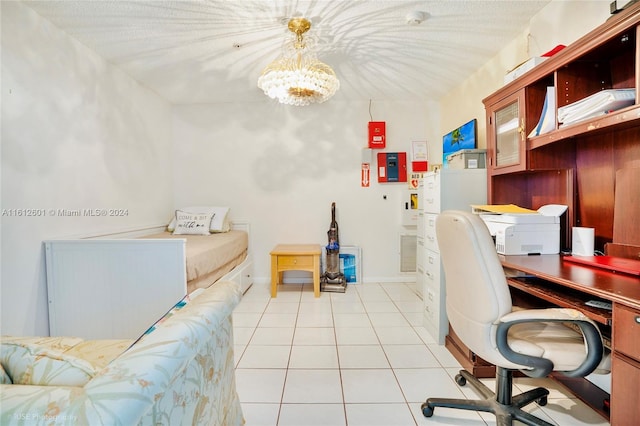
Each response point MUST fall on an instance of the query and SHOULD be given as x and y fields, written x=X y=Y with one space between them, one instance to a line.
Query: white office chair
x=533 y=341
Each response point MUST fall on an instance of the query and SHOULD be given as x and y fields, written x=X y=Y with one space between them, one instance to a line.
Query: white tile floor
x=356 y=358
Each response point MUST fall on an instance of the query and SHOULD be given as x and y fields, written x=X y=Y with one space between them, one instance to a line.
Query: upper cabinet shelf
x=574 y=163
x=614 y=42
x=625 y=117
x=605 y=58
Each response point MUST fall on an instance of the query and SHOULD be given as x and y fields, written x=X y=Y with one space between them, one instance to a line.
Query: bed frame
x=113 y=288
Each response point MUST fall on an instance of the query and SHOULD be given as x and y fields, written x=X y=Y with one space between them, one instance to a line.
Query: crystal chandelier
x=298 y=77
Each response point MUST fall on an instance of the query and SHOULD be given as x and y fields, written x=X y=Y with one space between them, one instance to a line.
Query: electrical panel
x=392 y=167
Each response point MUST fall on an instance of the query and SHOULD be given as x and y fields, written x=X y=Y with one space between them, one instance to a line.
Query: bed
x=210 y=257
x=112 y=288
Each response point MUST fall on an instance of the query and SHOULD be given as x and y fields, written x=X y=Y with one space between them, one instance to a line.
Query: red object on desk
x=612 y=263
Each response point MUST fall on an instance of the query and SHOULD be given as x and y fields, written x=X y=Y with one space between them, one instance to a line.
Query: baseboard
x=365 y=280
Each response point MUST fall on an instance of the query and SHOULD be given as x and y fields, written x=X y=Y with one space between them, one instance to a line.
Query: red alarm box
x=377 y=134
x=392 y=167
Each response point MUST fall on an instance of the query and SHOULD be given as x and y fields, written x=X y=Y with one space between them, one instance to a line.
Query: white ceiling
x=214 y=50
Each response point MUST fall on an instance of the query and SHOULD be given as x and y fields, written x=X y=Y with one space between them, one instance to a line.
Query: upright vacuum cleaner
x=332 y=279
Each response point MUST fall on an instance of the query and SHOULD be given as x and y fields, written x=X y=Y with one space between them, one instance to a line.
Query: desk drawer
x=421 y=254
x=291 y=261
x=420 y=231
x=432 y=269
x=626 y=331
x=625 y=386
x=430 y=238
x=432 y=193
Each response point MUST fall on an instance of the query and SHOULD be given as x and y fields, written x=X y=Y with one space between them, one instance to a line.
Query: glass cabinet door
x=507 y=144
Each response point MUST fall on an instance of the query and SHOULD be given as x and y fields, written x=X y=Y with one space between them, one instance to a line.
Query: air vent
x=408 y=249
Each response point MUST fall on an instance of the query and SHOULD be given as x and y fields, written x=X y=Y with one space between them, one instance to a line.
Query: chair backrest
x=477 y=293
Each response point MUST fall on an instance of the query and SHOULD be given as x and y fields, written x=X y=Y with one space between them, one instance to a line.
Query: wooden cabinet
x=574 y=164
x=625 y=376
x=507 y=134
x=625 y=385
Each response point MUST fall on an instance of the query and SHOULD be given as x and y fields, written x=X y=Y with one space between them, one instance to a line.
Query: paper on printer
x=522 y=231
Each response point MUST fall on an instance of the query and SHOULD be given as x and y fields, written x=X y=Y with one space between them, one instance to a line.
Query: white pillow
x=219 y=223
x=192 y=223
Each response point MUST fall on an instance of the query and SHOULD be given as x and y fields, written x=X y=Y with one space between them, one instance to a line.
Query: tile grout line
x=286 y=371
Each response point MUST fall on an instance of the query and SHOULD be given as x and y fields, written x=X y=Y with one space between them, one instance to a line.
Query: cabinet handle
x=637 y=319
x=521 y=130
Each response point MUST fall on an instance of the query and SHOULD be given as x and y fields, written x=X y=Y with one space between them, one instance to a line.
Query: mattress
x=209 y=257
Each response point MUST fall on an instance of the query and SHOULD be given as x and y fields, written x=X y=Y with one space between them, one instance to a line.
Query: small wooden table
x=295 y=257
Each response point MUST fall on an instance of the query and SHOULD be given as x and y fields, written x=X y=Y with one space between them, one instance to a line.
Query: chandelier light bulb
x=298 y=77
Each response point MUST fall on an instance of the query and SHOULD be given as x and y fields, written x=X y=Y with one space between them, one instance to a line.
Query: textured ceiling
x=214 y=50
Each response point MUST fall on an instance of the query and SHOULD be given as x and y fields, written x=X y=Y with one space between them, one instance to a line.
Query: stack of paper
x=555 y=210
x=597 y=104
x=547 y=121
x=499 y=209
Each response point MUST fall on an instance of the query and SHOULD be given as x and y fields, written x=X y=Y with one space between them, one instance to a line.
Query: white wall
x=280 y=168
x=76 y=134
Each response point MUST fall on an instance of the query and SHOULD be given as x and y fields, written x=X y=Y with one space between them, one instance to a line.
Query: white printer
x=526 y=233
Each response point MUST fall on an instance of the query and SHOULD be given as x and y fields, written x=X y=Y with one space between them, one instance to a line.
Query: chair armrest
x=541 y=367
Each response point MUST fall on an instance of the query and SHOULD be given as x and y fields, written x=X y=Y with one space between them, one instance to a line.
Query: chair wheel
x=542 y=401
x=427 y=411
x=460 y=380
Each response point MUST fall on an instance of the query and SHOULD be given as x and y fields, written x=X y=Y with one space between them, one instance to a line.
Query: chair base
x=506 y=408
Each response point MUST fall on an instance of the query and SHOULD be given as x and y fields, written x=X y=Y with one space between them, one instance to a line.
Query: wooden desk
x=616 y=287
x=295 y=257
x=559 y=283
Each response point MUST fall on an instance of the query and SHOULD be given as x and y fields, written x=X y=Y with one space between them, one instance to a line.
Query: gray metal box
x=468 y=159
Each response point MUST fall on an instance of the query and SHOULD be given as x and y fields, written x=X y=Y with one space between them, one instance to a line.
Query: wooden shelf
x=585 y=46
x=562 y=297
x=624 y=118
x=582 y=166
x=592 y=151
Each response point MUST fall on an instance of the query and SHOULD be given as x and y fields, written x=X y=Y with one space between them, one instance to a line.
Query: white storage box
x=468 y=159
x=523 y=68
